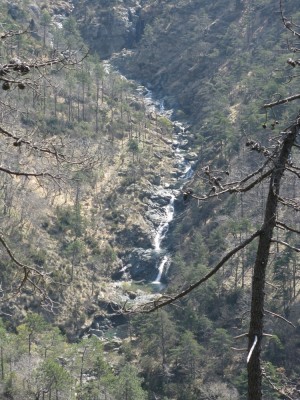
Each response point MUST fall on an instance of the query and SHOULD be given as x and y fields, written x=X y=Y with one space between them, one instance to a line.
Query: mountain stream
x=179 y=146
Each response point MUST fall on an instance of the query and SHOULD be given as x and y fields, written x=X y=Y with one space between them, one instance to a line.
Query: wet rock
x=162 y=198
x=154 y=216
x=96 y=332
x=178 y=128
x=142 y=264
x=184 y=144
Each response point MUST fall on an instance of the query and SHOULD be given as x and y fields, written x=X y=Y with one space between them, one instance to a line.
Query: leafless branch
x=287 y=23
x=236 y=189
x=282 y=101
x=280 y=317
x=242 y=349
x=281 y=224
x=252 y=348
x=289 y=203
x=29 y=174
x=274 y=387
x=50 y=148
x=286 y=244
x=27 y=270
x=5 y=35
x=241 y=336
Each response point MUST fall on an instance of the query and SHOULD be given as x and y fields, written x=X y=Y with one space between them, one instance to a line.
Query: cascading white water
x=160 y=235
x=163 y=227
x=185 y=172
x=162 y=264
x=179 y=137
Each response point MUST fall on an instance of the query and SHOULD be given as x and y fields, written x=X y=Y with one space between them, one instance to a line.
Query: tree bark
x=261 y=261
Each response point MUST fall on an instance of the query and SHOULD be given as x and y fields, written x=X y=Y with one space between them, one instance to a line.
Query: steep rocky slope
x=209 y=62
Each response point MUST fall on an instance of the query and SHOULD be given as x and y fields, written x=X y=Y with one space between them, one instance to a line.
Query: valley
x=138 y=166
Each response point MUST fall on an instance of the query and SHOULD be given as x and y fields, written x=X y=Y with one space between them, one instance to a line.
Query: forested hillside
x=126 y=126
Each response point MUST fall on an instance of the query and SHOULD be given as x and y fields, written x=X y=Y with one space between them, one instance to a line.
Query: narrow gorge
x=151 y=264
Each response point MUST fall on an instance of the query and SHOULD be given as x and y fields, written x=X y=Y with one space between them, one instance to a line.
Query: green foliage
x=133 y=146
x=128 y=386
x=189 y=354
x=51 y=376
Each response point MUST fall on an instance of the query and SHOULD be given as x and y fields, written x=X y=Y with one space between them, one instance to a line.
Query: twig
x=286 y=244
x=281 y=224
x=242 y=349
x=282 y=101
x=241 y=336
x=280 y=317
x=280 y=391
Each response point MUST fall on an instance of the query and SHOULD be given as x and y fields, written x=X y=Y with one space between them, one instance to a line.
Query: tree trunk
x=2 y=364
x=262 y=256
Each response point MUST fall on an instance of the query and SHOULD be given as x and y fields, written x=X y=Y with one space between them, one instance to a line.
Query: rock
x=15 y=11
x=96 y=332
x=111 y=29
x=112 y=345
x=157 y=155
x=191 y=156
x=154 y=216
x=184 y=143
x=142 y=264
x=178 y=128
x=135 y=236
x=35 y=9
x=156 y=180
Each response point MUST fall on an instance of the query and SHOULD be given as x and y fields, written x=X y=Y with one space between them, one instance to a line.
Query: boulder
x=141 y=264
x=135 y=236
x=191 y=156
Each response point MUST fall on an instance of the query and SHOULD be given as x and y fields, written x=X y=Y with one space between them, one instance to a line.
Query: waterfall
x=160 y=235
x=180 y=142
x=167 y=192
x=164 y=226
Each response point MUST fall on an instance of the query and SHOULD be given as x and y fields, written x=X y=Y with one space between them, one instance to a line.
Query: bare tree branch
x=282 y=101
x=236 y=189
x=280 y=317
x=281 y=224
x=286 y=244
x=29 y=174
x=274 y=387
x=162 y=301
x=32 y=278
x=287 y=23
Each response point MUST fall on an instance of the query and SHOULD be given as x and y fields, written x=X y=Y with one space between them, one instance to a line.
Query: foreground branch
x=287 y=245
x=280 y=317
x=282 y=101
x=165 y=300
x=27 y=271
